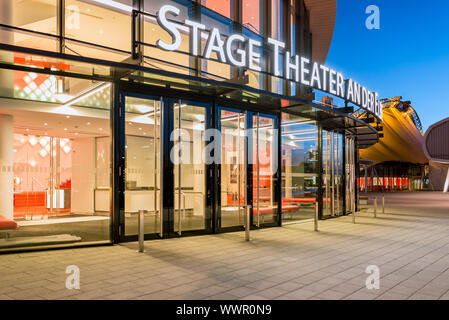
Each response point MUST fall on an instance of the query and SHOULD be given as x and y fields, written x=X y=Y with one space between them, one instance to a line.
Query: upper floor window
x=252 y=15
x=223 y=7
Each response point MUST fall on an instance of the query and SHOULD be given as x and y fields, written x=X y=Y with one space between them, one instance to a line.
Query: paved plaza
x=409 y=244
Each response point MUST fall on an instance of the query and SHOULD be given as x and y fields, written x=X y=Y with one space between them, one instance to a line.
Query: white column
x=446 y=184
x=6 y=76
x=6 y=166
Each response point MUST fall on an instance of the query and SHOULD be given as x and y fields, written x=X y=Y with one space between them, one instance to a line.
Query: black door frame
x=120 y=161
x=209 y=215
x=277 y=176
x=220 y=229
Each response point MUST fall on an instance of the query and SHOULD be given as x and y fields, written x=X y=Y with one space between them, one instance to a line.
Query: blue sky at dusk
x=408 y=56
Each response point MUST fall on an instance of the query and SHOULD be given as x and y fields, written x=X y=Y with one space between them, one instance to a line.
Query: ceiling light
x=115 y=4
x=43 y=142
x=143 y=108
x=87 y=93
x=32 y=140
x=63 y=97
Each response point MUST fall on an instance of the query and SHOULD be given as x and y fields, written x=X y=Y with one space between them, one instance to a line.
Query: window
x=252 y=15
x=56 y=154
x=222 y=7
x=35 y=15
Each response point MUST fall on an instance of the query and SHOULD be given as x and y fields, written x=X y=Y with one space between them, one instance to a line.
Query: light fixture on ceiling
x=32 y=140
x=87 y=93
x=115 y=4
x=43 y=141
x=143 y=108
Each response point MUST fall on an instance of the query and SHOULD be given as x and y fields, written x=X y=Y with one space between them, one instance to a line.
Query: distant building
x=436 y=148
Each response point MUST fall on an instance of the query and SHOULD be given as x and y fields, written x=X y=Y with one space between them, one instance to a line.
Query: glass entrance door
x=233 y=179
x=350 y=174
x=190 y=183
x=142 y=164
x=265 y=166
x=332 y=173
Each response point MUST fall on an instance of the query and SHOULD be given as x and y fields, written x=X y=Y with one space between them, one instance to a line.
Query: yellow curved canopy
x=402 y=141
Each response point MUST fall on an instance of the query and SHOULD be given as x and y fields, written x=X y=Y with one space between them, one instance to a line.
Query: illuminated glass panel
x=299 y=167
x=252 y=15
x=222 y=7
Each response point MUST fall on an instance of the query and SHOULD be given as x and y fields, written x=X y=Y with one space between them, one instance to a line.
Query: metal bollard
x=316 y=216
x=141 y=229
x=383 y=204
x=353 y=216
x=247 y=224
x=375 y=207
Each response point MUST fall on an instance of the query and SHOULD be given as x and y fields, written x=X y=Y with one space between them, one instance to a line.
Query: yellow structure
x=403 y=136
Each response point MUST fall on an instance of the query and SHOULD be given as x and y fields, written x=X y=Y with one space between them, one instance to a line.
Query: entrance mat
x=38 y=241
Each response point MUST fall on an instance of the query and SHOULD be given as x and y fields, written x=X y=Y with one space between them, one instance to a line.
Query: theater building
x=200 y=113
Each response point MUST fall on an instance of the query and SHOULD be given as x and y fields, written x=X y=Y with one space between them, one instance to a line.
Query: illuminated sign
x=243 y=52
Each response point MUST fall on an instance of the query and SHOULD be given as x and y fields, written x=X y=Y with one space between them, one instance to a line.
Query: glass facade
x=56 y=164
x=86 y=148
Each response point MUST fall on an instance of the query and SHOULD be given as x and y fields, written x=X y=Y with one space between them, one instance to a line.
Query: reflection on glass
x=95 y=22
x=300 y=167
x=233 y=168
x=55 y=189
x=189 y=168
x=209 y=66
x=35 y=15
x=142 y=165
x=173 y=61
x=265 y=153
